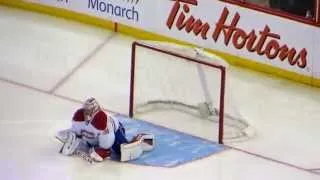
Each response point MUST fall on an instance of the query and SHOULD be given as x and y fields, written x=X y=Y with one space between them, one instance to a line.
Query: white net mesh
x=171 y=88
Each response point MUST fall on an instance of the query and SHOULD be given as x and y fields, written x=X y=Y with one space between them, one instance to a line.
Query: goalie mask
x=91 y=106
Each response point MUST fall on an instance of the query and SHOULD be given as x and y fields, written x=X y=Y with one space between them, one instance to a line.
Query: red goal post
x=196 y=59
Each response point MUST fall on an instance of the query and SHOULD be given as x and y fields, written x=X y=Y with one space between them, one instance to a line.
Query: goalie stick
x=83 y=155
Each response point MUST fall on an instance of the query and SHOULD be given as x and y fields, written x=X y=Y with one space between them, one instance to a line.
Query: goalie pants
x=120 y=138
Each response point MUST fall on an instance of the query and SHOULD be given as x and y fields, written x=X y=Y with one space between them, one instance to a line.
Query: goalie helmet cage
x=196 y=57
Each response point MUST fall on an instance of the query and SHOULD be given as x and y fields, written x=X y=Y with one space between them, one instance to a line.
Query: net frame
x=219 y=67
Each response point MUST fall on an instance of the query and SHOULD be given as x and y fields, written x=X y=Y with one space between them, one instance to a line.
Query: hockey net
x=179 y=83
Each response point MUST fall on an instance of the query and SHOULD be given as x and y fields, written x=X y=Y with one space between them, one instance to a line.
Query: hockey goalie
x=95 y=134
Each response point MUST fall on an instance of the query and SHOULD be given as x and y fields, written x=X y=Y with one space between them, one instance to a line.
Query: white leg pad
x=131 y=151
x=147 y=142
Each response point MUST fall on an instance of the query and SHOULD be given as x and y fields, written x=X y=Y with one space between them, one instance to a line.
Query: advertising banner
x=216 y=25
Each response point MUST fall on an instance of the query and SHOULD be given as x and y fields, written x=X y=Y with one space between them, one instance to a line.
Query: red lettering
x=175 y=9
x=191 y=24
x=227 y=30
x=272 y=49
x=197 y=27
x=300 y=59
x=239 y=39
x=302 y=63
x=264 y=43
x=180 y=22
x=264 y=35
x=286 y=53
x=252 y=37
x=200 y=27
x=173 y=14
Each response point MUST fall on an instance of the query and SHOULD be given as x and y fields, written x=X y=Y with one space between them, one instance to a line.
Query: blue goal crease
x=172 y=148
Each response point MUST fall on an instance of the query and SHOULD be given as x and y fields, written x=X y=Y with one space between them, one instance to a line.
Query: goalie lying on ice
x=99 y=134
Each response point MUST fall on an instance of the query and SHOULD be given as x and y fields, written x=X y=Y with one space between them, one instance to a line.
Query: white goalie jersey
x=99 y=134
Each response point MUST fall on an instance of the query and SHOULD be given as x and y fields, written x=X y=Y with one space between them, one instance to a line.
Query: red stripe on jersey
x=79 y=115
x=99 y=121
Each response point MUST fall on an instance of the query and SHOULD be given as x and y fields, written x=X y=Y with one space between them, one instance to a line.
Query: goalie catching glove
x=71 y=144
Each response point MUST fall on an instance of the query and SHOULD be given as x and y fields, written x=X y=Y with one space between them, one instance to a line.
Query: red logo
x=263 y=42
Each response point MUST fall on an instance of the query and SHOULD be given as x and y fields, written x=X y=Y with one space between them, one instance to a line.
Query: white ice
x=37 y=98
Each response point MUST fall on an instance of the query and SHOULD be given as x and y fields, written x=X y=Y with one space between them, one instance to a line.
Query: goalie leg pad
x=70 y=145
x=131 y=151
x=147 y=141
x=140 y=144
